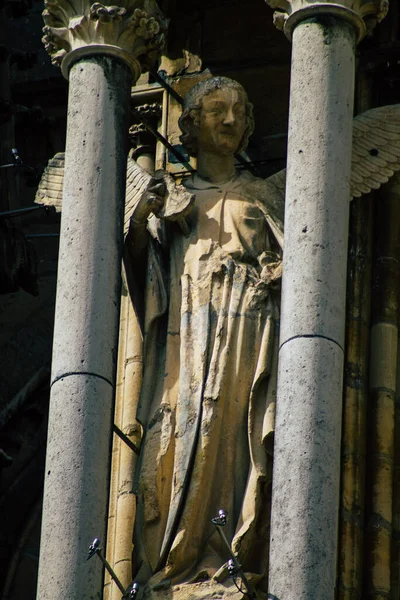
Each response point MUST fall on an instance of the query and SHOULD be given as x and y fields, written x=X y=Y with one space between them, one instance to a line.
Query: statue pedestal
x=202 y=590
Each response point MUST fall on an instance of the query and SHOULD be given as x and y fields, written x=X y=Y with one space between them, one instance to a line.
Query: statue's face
x=222 y=121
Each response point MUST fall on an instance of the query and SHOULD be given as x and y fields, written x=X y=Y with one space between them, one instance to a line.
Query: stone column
x=305 y=497
x=97 y=48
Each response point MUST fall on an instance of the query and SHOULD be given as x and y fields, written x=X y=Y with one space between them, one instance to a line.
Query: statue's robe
x=209 y=384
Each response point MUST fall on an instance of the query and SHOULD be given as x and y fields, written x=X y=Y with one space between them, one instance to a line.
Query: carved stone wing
x=277 y=183
x=375 y=153
x=376 y=149
x=177 y=200
x=375 y=159
x=137 y=182
x=50 y=187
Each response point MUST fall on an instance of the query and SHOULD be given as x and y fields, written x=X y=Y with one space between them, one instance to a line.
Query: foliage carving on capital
x=364 y=14
x=136 y=27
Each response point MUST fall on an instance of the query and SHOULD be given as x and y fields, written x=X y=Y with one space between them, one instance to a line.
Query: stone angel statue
x=203 y=263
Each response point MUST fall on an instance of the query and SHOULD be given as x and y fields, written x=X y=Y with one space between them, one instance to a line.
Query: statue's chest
x=224 y=218
x=223 y=225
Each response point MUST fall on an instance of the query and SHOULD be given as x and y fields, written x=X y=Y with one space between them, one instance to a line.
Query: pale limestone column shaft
x=97 y=51
x=306 y=477
x=86 y=328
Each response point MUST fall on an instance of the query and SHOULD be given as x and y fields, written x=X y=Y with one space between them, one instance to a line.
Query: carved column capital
x=362 y=14
x=132 y=30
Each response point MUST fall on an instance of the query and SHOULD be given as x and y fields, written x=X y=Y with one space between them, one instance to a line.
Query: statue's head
x=220 y=101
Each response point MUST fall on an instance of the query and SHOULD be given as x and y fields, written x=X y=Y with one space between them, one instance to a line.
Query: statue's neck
x=215 y=168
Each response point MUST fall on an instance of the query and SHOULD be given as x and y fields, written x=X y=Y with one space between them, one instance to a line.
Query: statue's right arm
x=143 y=197
x=144 y=203
x=150 y=202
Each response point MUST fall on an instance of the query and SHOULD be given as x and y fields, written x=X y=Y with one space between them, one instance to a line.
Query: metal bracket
x=127 y=594
x=17 y=162
x=178 y=155
x=125 y=439
x=234 y=567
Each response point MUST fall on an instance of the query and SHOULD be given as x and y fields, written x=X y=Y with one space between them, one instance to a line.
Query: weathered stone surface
x=205 y=590
x=305 y=513
x=86 y=329
x=91 y=235
x=318 y=173
x=208 y=391
x=305 y=498
x=76 y=489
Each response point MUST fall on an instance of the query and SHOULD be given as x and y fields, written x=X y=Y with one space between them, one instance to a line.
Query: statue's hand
x=271 y=266
x=271 y=272
x=151 y=201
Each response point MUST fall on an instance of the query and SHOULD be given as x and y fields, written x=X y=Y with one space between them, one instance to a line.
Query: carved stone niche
x=146 y=115
x=132 y=30
x=362 y=14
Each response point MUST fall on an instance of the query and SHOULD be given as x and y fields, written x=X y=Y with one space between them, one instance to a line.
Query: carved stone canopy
x=132 y=30
x=362 y=14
